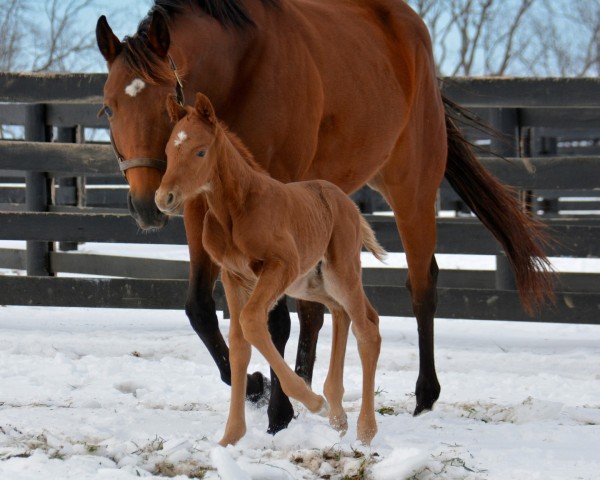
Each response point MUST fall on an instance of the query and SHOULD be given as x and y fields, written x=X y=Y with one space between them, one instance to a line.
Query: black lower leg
x=280 y=410
x=201 y=311
x=311 y=321
x=428 y=387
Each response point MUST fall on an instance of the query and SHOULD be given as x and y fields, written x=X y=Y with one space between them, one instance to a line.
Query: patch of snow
x=226 y=466
x=118 y=394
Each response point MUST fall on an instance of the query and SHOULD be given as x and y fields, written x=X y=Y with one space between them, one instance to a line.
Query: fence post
x=67 y=186
x=505 y=121
x=37 y=195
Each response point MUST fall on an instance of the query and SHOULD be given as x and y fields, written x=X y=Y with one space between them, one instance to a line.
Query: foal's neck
x=234 y=176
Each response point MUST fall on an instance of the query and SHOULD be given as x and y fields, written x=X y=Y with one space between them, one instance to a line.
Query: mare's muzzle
x=146 y=213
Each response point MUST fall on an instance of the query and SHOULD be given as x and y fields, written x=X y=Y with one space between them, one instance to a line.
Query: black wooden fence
x=58 y=204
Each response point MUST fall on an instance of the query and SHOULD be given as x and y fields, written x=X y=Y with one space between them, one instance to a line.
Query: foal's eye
x=201 y=153
x=108 y=111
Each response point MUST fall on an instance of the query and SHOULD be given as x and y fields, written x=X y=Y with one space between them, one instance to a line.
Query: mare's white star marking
x=135 y=87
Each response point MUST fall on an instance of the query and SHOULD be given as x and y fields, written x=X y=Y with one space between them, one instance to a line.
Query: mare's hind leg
x=415 y=218
x=334 y=383
x=273 y=280
x=280 y=410
x=310 y=315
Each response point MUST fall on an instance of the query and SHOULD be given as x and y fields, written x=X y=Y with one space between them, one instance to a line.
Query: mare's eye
x=201 y=153
x=108 y=111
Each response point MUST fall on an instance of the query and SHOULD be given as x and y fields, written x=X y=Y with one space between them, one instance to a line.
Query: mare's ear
x=205 y=109
x=108 y=43
x=176 y=111
x=158 y=35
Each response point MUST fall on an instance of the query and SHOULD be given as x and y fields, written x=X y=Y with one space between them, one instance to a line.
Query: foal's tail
x=369 y=240
x=522 y=237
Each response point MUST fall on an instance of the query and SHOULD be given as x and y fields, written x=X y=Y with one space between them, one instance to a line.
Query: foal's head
x=190 y=153
x=139 y=80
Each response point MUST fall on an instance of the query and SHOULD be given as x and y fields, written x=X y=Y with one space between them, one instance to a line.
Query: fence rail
x=44 y=199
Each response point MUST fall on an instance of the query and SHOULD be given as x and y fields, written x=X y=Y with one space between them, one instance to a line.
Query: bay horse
x=302 y=239
x=340 y=90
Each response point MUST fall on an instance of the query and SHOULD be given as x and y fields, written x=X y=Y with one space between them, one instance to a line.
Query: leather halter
x=157 y=163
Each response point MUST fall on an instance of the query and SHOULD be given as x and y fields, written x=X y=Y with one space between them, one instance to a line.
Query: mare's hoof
x=280 y=415
x=258 y=388
x=427 y=393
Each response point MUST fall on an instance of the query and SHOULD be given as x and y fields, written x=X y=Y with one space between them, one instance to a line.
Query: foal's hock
x=301 y=239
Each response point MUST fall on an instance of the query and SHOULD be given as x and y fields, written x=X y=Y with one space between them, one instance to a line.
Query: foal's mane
x=154 y=69
x=239 y=147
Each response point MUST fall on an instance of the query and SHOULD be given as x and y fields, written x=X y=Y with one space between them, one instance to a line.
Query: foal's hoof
x=427 y=393
x=257 y=388
x=339 y=422
x=322 y=408
x=366 y=431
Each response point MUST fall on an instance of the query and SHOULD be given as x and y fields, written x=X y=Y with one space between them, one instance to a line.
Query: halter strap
x=124 y=165
x=157 y=163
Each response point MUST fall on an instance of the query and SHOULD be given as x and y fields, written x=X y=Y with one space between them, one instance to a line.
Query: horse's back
x=375 y=63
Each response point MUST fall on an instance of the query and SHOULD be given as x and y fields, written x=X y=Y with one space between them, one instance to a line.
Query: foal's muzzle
x=168 y=202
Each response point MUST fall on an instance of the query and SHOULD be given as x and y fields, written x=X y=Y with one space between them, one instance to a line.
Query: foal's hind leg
x=365 y=326
x=274 y=278
x=334 y=383
x=343 y=283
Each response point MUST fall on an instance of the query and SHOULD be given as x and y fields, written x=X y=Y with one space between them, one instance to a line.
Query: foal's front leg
x=239 y=357
x=275 y=277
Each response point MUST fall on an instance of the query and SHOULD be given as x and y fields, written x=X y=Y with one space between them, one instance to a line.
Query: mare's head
x=139 y=80
x=190 y=151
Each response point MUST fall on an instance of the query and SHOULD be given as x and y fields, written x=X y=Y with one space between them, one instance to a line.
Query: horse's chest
x=222 y=249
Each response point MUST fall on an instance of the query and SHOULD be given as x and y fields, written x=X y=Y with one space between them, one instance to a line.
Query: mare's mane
x=152 y=68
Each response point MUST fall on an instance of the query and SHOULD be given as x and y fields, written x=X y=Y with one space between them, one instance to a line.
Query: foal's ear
x=176 y=111
x=205 y=109
x=108 y=43
x=158 y=35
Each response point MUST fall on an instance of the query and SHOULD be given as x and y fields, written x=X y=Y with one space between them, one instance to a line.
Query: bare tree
x=567 y=34
x=11 y=34
x=479 y=37
x=51 y=40
x=61 y=43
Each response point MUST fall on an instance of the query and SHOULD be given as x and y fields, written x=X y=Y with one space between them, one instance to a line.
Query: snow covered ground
x=106 y=394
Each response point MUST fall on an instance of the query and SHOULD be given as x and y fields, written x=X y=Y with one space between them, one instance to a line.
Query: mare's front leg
x=239 y=356
x=275 y=277
x=200 y=306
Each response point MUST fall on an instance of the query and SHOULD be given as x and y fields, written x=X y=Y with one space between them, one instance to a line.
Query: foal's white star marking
x=135 y=87
x=181 y=137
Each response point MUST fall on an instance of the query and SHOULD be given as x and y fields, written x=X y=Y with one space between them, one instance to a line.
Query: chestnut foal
x=301 y=239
